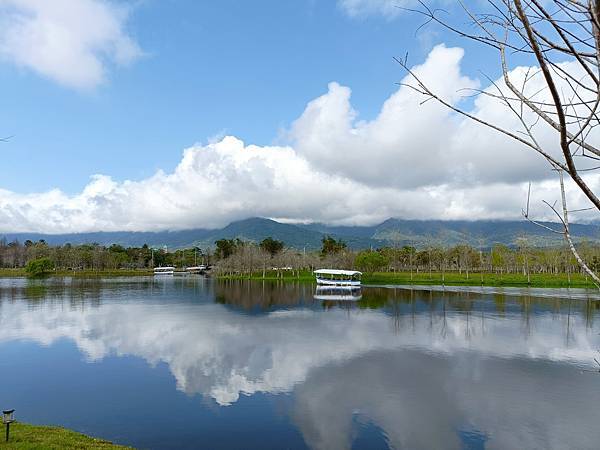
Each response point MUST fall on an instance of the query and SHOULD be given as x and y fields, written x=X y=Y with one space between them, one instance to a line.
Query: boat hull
x=324 y=282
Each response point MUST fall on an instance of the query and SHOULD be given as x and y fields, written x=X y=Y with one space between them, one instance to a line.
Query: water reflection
x=337 y=293
x=427 y=368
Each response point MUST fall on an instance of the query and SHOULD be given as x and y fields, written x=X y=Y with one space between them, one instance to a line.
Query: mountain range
x=397 y=232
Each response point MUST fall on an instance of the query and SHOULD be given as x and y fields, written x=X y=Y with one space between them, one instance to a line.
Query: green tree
x=226 y=247
x=271 y=246
x=332 y=246
x=370 y=261
x=499 y=256
x=38 y=267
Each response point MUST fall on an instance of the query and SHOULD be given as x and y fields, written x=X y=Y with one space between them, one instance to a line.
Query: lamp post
x=8 y=418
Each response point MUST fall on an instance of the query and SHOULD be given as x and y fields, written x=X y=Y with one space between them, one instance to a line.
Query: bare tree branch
x=561 y=41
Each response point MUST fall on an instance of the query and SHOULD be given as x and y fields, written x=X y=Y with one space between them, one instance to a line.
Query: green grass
x=424 y=278
x=478 y=279
x=24 y=436
x=271 y=276
x=449 y=278
x=81 y=273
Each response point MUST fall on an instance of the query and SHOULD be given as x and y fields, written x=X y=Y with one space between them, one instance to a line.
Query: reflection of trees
x=338 y=304
x=402 y=304
x=377 y=298
x=525 y=303
x=92 y=291
x=590 y=308
x=407 y=304
x=500 y=302
x=75 y=291
x=415 y=301
x=258 y=295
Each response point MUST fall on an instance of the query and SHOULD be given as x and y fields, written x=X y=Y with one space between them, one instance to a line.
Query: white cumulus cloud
x=389 y=149
x=412 y=160
x=72 y=42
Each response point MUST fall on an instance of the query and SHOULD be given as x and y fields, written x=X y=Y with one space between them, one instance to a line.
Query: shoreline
x=21 y=273
x=543 y=280
x=27 y=436
x=437 y=279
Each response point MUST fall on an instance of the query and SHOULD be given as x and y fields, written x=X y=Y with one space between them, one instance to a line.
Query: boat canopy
x=164 y=268
x=348 y=273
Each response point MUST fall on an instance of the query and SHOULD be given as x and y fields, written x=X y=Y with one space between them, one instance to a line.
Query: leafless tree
x=559 y=40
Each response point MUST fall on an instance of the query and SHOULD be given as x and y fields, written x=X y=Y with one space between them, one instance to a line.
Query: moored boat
x=335 y=277
x=196 y=269
x=167 y=270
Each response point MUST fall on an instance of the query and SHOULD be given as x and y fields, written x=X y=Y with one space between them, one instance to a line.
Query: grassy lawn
x=449 y=278
x=24 y=436
x=478 y=279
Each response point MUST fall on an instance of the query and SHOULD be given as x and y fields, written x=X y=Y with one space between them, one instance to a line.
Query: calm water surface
x=196 y=363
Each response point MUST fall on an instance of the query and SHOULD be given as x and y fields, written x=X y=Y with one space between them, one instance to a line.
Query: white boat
x=181 y=273
x=334 y=277
x=196 y=269
x=338 y=293
x=167 y=270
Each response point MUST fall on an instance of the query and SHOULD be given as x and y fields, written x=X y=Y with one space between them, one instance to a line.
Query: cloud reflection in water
x=421 y=366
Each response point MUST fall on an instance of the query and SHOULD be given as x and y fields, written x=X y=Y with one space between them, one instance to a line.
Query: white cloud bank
x=69 y=41
x=411 y=161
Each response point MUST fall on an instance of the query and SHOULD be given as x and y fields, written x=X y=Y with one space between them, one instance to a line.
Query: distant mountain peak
x=393 y=231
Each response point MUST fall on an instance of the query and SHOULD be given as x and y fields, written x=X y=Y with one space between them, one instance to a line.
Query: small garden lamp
x=8 y=417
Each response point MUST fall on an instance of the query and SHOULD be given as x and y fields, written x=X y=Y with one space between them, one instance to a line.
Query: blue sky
x=171 y=114
x=208 y=68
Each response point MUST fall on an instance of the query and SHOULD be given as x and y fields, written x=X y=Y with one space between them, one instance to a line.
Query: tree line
x=97 y=257
x=236 y=256
x=241 y=257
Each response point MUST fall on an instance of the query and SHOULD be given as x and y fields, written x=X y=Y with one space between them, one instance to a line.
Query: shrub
x=38 y=267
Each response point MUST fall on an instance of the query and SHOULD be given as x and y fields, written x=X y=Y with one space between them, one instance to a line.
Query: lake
x=199 y=363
